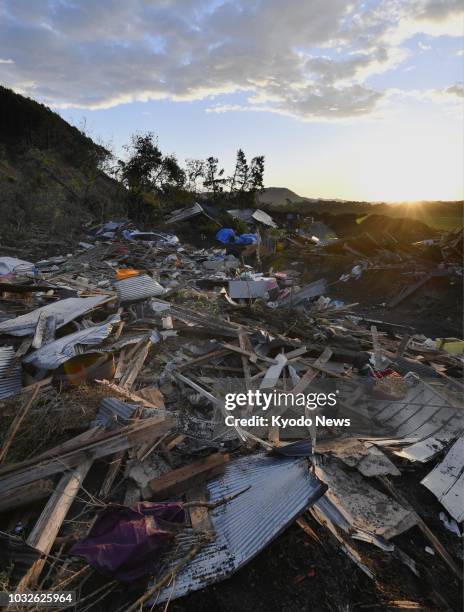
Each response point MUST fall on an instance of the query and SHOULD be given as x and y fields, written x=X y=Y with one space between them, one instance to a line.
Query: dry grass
x=51 y=419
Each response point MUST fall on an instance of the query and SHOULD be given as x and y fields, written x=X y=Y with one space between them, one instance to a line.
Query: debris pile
x=136 y=463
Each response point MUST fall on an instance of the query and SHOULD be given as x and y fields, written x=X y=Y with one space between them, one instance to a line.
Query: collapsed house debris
x=118 y=460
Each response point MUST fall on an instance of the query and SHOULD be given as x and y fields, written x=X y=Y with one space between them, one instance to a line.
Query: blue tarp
x=247 y=239
x=227 y=235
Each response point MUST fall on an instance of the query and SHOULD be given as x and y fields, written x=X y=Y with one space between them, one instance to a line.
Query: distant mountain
x=279 y=196
x=276 y=197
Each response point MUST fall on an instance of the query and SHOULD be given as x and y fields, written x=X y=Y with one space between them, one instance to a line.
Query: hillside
x=50 y=173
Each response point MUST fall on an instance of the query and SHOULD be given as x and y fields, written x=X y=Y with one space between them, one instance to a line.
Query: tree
x=247 y=179
x=213 y=177
x=147 y=169
x=256 y=180
x=195 y=171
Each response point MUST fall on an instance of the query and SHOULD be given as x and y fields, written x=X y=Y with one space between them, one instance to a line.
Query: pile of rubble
x=125 y=472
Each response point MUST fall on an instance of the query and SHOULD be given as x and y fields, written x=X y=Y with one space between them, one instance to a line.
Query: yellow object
x=126 y=273
x=361 y=219
x=451 y=345
x=280 y=246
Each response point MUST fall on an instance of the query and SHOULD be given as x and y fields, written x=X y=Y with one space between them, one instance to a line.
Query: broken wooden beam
x=107 y=443
x=49 y=522
x=27 y=494
x=182 y=479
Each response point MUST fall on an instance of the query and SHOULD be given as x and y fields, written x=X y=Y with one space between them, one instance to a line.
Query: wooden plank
x=22 y=350
x=45 y=330
x=175 y=442
x=376 y=348
x=403 y=345
x=106 y=444
x=179 y=481
x=312 y=372
x=304 y=525
x=136 y=364
x=22 y=496
x=237 y=349
x=111 y=474
x=199 y=515
x=133 y=397
x=49 y=523
x=409 y=291
x=244 y=342
x=207 y=357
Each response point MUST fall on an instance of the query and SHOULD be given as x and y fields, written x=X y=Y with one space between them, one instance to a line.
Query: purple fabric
x=128 y=543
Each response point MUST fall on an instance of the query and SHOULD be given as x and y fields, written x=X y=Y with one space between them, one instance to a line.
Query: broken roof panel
x=14 y=265
x=363 y=506
x=446 y=481
x=280 y=490
x=423 y=416
x=64 y=310
x=184 y=213
x=10 y=384
x=113 y=412
x=249 y=215
x=138 y=288
x=52 y=355
x=262 y=217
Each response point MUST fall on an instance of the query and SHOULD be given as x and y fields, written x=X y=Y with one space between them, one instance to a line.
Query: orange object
x=126 y=273
x=85 y=368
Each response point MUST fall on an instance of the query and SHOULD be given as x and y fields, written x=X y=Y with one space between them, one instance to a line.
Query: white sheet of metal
x=446 y=481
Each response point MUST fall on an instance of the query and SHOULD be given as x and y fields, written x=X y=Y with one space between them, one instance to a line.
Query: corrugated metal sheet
x=423 y=416
x=113 y=412
x=301 y=448
x=184 y=213
x=57 y=352
x=446 y=481
x=64 y=310
x=280 y=490
x=138 y=288
x=9 y=385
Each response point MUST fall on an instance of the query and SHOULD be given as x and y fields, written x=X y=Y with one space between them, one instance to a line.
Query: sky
x=353 y=99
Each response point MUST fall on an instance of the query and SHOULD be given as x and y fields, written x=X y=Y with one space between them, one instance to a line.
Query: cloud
x=311 y=60
x=456 y=90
